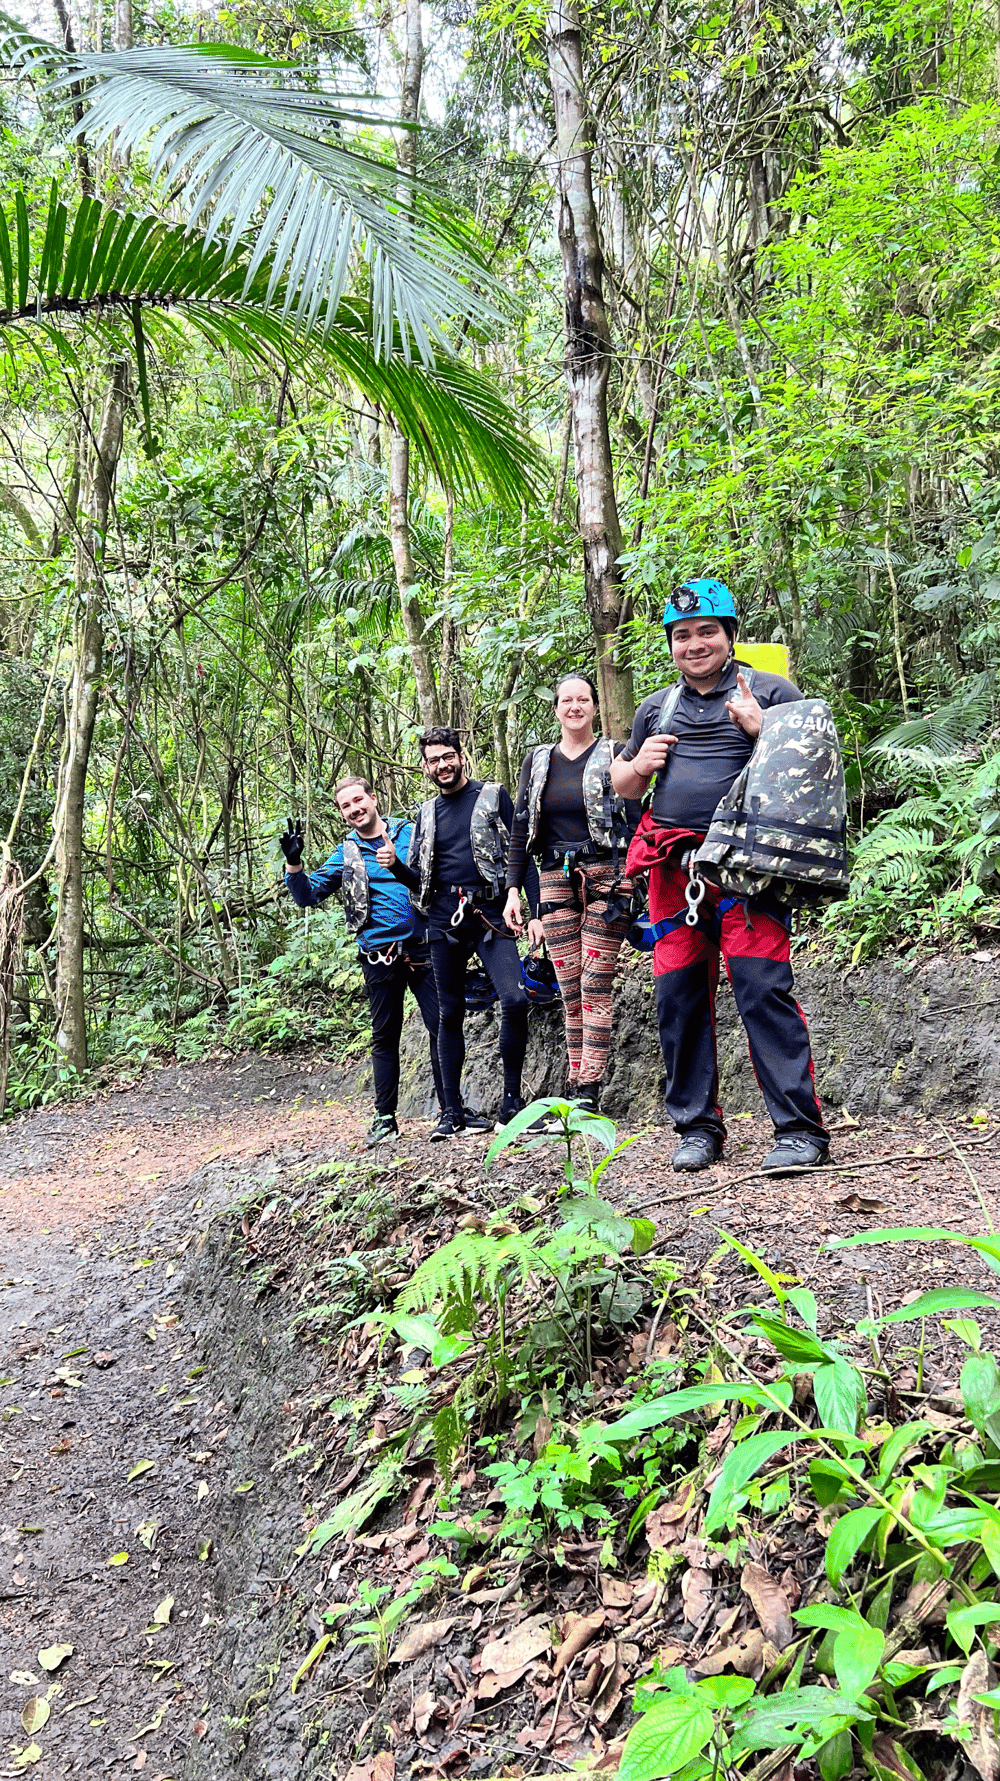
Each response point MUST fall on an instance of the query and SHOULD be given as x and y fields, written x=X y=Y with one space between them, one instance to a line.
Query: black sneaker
x=448 y=1126
x=512 y=1105
x=795 y=1153
x=383 y=1130
x=587 y=1097
x=697 y=1150
x=475 y=1122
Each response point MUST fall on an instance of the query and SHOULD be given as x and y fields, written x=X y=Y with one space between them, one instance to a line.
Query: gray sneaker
x=383 y=1130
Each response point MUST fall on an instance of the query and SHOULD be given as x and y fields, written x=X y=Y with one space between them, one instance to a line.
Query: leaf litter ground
x=165 y=1398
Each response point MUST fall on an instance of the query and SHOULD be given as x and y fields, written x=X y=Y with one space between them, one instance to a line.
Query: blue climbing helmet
x=704 y=598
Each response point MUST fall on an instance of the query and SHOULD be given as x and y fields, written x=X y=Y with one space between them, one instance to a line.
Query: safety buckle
x=459 y=915
x=694 y=891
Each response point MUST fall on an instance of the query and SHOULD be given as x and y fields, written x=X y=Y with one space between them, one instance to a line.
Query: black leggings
x=502 y=964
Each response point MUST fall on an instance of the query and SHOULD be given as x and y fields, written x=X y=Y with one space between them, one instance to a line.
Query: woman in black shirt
x=567 y=815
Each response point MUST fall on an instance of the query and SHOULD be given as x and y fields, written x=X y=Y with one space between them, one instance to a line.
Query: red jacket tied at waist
x=652 y=845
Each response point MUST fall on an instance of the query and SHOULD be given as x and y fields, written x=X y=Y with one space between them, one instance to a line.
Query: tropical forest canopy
x=324 y=418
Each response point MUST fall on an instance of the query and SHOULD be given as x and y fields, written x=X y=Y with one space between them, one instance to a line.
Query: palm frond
x=119 y=278
x=246 y=152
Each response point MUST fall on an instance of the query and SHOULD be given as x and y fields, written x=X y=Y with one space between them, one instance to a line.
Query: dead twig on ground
x=702 y=1188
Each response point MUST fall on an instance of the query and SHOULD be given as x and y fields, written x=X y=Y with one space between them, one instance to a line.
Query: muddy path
x=149 y=1403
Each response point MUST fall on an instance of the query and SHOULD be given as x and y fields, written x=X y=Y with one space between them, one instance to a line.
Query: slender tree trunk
x=588 y=363
x=399 y=455
x=81 y=713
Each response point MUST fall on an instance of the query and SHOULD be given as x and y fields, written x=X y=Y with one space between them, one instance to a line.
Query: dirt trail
x=117 y=1438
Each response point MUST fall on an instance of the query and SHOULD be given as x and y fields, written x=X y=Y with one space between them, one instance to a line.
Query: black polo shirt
x=711 y=750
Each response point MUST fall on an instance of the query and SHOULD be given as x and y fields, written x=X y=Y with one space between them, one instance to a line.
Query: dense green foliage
x=801 y=229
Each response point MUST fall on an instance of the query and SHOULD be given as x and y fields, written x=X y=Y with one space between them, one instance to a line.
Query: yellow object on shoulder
x=770 y=658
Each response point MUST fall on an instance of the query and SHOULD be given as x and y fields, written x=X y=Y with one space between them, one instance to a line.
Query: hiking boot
x=475 y=1123
x=697 y=1150
x=448 y=1126
x=383 y=1130
x=512 y=1105
x=794 y=1153
x=586 y=1097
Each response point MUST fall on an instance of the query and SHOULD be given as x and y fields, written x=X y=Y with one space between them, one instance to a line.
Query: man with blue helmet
x=694 y=738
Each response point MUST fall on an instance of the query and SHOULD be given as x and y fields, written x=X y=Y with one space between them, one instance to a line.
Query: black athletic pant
x=502 y=964
x=387 y=986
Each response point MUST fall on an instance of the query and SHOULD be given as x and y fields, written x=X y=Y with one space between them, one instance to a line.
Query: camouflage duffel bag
x=783 y=823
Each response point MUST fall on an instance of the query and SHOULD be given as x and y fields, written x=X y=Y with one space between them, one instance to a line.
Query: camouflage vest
x=355 y=891
x=605 y=810
x=489 y=837
x=783 y=821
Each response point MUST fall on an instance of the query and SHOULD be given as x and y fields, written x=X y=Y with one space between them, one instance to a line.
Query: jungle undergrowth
x=491 y=1344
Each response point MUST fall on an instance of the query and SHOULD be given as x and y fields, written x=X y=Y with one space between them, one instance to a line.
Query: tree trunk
x=81 y=714
x=588 y=362
x=399 y=456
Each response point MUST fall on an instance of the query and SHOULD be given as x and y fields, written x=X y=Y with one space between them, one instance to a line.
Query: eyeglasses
x=442 y=760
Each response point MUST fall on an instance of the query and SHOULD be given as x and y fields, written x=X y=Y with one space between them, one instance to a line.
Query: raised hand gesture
x=292 y=842
x=744 y=709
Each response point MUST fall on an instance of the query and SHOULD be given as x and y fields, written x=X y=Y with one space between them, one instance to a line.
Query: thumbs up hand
x=744 y=709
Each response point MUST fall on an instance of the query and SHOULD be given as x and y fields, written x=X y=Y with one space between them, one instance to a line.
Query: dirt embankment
x=918 y=1034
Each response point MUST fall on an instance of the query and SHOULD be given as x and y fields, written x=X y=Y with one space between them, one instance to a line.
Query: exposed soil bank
x=919 y=1034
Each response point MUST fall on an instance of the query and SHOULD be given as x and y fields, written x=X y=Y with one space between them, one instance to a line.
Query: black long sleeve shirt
x=454 y=862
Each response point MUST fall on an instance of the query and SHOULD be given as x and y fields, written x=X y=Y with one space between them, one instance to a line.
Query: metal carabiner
x=694 y=891
x=380 y=958
x=459 y=915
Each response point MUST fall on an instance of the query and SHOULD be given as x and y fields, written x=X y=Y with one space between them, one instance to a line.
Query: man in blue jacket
x=392 y=940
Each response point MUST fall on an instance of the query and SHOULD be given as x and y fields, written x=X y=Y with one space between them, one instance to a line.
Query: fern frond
x=940 y=735
x=470 y=1266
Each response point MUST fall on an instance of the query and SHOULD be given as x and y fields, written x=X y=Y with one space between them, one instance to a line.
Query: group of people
x=476 y=868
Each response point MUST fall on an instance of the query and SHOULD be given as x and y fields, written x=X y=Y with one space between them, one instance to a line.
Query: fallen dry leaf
x=424 y=1708
x=577 y=1631
x=886 y=1752
x=375 y=1768
x=770 y=1604
x=665 y=1526
x=609 y=1689
x=696 y=1594
x=745 y=1656
x=981 y=1749
x=495 y=1682
x=419 y=1639
x=530 y=1639
x=615 y=1593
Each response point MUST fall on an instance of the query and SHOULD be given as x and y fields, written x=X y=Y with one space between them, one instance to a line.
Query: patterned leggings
x=584 y=951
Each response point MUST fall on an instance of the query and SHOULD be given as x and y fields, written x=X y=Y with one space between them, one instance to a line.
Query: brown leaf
x=746 y=1657
x=855 y=1202
x=982 y=1749
x=886 y=1752
x=577 y=1631
x=494 y=1683
x=530 y=1639
x=542 y=1434
x=424 y=1708
x=609 y=1691
x=374 y=1768
x=770 y=1604
x=421 y=1638
x=615 y=1593
x=696 y=1594
x=665 y=1526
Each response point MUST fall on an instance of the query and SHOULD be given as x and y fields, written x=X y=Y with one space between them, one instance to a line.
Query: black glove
x=292 y=842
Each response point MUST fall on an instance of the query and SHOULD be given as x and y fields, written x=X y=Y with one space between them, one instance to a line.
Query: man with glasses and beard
x=456 y=875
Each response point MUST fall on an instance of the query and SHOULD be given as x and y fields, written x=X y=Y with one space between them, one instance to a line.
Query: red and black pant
x=753 y=940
